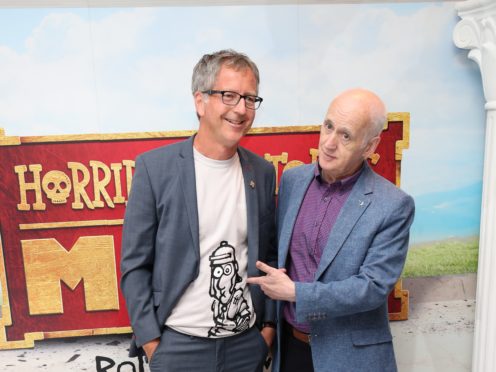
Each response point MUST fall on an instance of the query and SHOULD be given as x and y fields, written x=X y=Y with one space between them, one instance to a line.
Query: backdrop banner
x=62 y=203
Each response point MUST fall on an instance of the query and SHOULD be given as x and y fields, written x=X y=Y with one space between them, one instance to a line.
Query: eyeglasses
x=233 y=98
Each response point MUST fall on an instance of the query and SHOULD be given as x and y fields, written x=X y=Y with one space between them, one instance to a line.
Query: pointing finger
x=255 y=280
x=264 y=267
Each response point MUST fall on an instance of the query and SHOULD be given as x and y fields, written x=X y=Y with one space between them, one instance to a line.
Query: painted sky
x=124 y=70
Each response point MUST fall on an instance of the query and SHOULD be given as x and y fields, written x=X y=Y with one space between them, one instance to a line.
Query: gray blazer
x=160 y=242
x=346 y=304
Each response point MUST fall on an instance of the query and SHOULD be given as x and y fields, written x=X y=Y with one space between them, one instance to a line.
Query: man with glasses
x=200 y=214
x=343 y=237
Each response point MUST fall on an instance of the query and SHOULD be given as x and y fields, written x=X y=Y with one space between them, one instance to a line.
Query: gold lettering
x=374 y=158
x=80 y=185
x=314 y=153
x=47 y=263
x=100 y=184
x=25 y=186
x=129 y=165
x=116 y=168
x=292 y=164
x=275 y=160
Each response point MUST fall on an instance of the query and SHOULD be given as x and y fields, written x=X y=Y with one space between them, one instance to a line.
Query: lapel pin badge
x=252 y=184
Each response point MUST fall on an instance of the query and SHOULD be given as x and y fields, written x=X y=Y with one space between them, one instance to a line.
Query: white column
x=477 y=32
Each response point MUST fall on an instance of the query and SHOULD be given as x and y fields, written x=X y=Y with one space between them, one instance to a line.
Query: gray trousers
x=245 y=352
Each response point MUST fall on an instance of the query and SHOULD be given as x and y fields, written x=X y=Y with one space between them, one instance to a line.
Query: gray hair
x=378 y=117
x=208 y=67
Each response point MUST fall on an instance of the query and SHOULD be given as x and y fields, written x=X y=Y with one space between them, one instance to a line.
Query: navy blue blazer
x=160 y=242
x=346 y=304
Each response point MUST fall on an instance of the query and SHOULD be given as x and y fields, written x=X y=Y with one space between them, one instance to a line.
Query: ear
x=371 y=146
x=199 y=104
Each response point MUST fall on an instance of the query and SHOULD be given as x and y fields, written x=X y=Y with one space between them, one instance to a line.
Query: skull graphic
x=57 y=186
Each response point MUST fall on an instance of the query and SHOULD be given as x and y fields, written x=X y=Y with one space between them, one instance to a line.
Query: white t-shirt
x=218 y=302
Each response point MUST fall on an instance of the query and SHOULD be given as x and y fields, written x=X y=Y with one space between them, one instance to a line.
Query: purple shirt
x=316 y=217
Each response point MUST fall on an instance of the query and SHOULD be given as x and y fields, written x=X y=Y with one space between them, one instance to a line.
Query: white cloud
x=130 y=70
x=120 y=32
x=53 y=86
x=415 y=67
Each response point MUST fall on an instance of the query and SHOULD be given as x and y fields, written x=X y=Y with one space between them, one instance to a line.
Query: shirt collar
x=342 y=183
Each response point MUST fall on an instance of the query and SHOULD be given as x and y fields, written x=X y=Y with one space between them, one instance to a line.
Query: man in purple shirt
x=343 y=236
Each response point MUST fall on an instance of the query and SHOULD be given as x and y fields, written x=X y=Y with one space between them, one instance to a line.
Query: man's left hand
x=276 y=284
x=268 y=334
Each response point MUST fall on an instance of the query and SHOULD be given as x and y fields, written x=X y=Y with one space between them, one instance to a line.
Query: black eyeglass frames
x=233 y=98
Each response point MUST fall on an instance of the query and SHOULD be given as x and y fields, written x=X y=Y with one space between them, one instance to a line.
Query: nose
x=330 y=141
x=240 y=108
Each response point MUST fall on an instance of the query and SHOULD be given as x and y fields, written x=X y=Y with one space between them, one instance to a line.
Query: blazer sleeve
x=369 y=288
x=138 y=247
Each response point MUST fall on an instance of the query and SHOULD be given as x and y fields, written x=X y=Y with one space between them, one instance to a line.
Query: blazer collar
x=251 y=194
x=297 y=194
x=186 y=171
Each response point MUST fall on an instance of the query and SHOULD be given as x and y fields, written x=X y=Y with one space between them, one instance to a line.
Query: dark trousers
x=296 y=355
x=177 y=352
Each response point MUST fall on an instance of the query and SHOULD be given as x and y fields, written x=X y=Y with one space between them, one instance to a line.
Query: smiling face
x=346 y=136
x=222 y=126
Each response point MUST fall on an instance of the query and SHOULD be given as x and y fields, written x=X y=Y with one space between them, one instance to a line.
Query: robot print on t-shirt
x=230 y=309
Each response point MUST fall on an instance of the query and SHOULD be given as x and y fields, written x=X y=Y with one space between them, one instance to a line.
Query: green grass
x=447 y=257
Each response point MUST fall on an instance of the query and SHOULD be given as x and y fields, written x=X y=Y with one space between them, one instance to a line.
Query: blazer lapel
x=251 y=195
x=186 y=171
x=296 y=197
x=353 y=209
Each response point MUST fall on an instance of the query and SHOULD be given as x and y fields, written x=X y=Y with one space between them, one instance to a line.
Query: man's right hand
x=150 y=348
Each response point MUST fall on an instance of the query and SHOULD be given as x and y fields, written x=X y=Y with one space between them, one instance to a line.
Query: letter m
x=47 y=263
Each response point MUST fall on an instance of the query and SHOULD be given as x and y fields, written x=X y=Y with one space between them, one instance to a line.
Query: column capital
x=477 y=32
